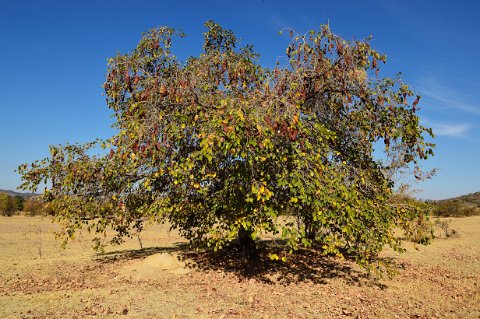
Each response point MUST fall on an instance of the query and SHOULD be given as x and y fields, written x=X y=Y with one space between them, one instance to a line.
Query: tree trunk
x=248 y=247
x=310 y=231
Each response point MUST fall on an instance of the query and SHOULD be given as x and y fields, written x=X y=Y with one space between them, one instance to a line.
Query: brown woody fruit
x=163 y=90
x=414 y=107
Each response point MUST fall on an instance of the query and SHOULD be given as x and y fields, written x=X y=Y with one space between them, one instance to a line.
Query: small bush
x=416 y=225
x=8 y=205
x=444 y=225
x=420 y=232
x=34 y=206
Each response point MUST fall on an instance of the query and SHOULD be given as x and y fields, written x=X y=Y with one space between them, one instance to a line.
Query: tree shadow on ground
x=300 y=266
x=130 y=254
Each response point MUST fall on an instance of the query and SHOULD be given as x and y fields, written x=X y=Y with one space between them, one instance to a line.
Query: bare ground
x=39 y=280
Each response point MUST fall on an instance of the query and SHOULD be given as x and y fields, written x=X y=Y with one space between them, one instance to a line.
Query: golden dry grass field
x=39 y=280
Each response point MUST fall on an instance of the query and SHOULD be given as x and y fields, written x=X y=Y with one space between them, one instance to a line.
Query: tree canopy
x=222 y=147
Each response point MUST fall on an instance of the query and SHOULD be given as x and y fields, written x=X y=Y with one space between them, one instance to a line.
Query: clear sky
x=53 y=60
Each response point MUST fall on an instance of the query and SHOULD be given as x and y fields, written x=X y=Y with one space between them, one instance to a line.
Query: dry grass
x=39 y=280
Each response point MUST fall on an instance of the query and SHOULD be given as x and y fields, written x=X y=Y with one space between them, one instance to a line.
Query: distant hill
x=473 y=198
x=465 y=205
x=13 y=193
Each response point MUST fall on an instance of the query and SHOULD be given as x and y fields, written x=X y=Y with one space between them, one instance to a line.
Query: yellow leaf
x=295 y=119
x=259 y=128
x=240 y=114
x=273 y=257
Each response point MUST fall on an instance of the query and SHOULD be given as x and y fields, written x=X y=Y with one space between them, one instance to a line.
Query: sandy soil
x=39 y=280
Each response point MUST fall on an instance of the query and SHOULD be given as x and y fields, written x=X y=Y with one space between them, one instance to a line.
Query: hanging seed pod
x=163 y=90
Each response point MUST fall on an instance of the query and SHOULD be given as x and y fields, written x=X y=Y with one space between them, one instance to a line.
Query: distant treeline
x=10 y=205
x=462 y=206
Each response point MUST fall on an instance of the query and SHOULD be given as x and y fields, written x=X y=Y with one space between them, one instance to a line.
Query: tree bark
x=310 y=231
x=247 y=245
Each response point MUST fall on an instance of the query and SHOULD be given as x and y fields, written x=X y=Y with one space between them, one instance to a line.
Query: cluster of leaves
x=415 y=224
x=220 y=146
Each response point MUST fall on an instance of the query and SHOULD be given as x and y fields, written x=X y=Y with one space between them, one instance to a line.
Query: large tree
x=223 y=148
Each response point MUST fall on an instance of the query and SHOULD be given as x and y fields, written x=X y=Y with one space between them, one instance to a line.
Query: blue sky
x=53 y=60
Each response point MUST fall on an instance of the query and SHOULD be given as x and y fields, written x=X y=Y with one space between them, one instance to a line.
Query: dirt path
x=38 y=280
